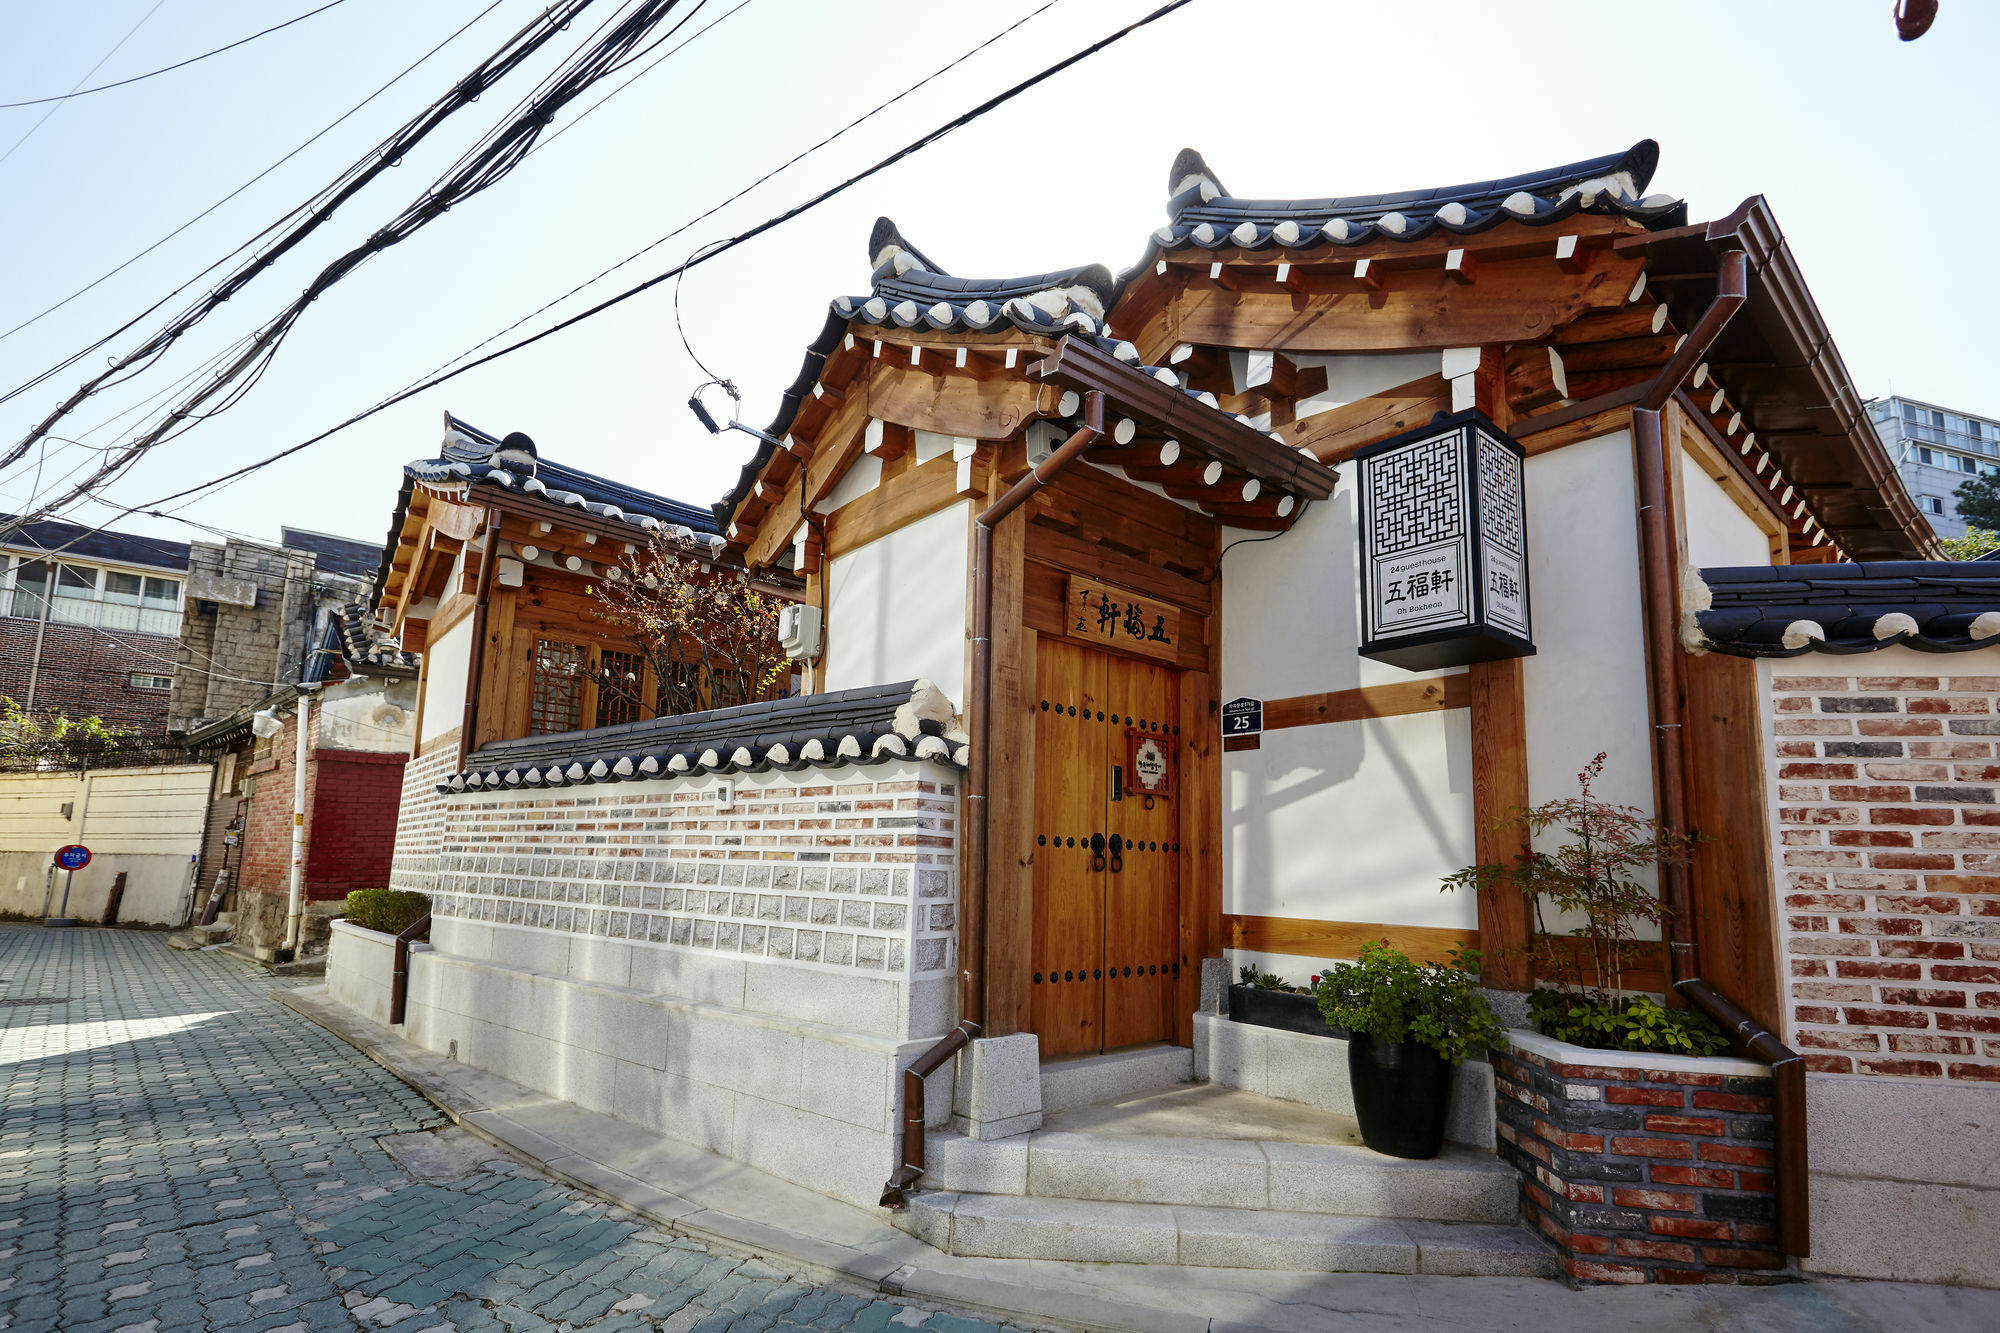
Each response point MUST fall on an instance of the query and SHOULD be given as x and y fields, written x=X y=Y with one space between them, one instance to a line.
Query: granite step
x=1084 y=1080
x=1000 y=1226
x=1328 y=1178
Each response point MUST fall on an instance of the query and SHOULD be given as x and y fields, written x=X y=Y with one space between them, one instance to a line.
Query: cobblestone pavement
x=179 y=1152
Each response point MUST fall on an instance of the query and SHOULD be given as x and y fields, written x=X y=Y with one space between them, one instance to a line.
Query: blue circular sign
x=73 y=857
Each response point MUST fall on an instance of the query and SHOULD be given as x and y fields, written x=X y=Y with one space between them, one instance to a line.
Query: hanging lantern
x=1444 y=546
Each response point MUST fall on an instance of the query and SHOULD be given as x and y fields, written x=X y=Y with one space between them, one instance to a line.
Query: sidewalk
x=707 y=1197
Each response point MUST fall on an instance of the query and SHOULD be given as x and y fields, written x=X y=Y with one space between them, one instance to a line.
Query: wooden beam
x=1514 y=301
x=1334 y=435
x=1331 y=940
x=1535 y=378
x=1431 y=695
x=919 y=492
x=1499 y=788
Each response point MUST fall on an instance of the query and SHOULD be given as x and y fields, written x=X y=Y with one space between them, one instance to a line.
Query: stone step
x=1071 y=1081
x=998 y=1226
x=1342 y=1179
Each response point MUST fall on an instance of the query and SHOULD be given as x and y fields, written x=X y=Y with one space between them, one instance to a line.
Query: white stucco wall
x=1719 y=533
x=143 y=822
x=896 y=608
x=447 y=663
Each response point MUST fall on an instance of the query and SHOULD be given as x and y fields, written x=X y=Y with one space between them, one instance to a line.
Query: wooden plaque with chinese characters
x=1118 y=618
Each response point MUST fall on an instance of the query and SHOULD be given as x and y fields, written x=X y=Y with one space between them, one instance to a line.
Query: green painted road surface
x=179 y=1152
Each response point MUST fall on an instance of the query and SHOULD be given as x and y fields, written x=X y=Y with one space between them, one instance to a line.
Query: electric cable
x=116 y=48
x=777 y=220
x=324 y=205
x=136 y=78
x=337 y=122
x=501 y=150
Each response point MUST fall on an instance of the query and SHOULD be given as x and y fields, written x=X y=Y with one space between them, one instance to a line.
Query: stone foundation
x=1642 y=1168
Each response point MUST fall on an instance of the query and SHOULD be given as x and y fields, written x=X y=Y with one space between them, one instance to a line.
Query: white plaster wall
x=896 y=608
x=1719 y=533
x=360 y=967
x=1586 y=684
x=1352 y=821
x=366 y=713
x=447 y=664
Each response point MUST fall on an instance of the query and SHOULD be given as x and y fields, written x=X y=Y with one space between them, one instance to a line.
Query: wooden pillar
x=497 y=670
x=1499 y=787
x=1010 y=803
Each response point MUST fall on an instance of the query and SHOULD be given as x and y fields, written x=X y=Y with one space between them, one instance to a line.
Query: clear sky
x=1877 y=157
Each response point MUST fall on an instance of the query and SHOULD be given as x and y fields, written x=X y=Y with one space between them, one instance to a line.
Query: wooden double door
x=1106 y=953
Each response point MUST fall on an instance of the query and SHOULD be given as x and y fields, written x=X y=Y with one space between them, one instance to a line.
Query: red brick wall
x=267 y=832
x=351 y=835
x=1889 y=852
x=84 y=673
x=1641 y=1174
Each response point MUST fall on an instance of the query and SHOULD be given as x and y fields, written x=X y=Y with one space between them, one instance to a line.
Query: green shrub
x=390 y=911
x=1633 y=1023
x=1389 y=995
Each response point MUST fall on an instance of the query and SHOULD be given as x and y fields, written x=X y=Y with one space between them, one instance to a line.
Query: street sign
x=73 y=857
x=1242 y=724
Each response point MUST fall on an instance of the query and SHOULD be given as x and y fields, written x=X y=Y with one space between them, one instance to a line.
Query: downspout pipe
x=1666 y=684
x=972 y=898
x=475 y=672
x=1662 y=599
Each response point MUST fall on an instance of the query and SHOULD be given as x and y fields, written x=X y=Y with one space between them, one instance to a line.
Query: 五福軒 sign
x=1444 y=546
x=1114 y=617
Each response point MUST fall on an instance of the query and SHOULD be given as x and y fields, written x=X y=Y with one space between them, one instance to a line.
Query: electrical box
x=1043 y=438
x=798 y=631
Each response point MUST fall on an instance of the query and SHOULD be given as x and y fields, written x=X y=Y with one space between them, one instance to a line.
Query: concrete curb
x=893 y=1273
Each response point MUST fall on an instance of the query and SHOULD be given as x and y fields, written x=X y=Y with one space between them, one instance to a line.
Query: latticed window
x=558 y=697
x=620 y=677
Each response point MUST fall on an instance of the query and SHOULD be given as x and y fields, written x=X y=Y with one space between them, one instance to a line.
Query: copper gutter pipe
x=1666 y=685
x=399 y=975
x=972 y=898
x=470 y=718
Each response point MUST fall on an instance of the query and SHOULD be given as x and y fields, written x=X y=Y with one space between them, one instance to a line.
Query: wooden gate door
x=1107 y=864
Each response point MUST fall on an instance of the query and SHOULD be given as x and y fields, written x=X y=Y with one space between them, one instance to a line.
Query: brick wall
x=351 y=835
x=266 y=851
x=86 y=673
x=1643 y=1172
x=1889 y=856
x=839 y=868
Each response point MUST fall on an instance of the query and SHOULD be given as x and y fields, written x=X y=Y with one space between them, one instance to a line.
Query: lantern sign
x=1444 y=546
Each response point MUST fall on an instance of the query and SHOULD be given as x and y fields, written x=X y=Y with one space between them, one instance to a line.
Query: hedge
x=390 y=911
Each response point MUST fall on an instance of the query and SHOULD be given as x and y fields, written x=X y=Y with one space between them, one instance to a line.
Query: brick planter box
x=1641 y=1168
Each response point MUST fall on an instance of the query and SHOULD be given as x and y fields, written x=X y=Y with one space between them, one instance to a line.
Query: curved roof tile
x=1937 y=606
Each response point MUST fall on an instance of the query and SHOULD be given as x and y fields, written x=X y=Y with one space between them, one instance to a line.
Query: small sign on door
x=1242 y=724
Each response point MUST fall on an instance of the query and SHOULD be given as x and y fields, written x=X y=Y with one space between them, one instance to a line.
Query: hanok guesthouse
x=999 y=833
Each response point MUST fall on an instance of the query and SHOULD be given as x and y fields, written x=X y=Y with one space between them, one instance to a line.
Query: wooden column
x=1500 y=763
x=1202 y=935
x=497 y=670
x=1010 y=876
x=1500 y=786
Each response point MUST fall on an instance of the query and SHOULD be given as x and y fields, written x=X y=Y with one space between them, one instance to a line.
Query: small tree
x=1979 y=501
x=711 y=640
x=1975 y=543
x=1594 y=873
x=53 y=738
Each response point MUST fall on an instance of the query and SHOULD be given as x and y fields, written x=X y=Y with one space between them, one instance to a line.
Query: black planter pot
x=1402 y=1094
x=1285 y=1010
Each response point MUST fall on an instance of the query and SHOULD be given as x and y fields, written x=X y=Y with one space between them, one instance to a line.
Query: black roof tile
x=1939 y=606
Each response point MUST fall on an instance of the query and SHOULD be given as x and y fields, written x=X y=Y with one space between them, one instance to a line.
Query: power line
x=342 y=119
x=481 y=168
x=702 y=257
x=914 y=146
x=116 y=48
x=327 y=202
x=106 y=87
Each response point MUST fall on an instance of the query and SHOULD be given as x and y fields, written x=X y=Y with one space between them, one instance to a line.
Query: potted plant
x=1594 y=875
x=1266 y=1000
x=1411 y=1024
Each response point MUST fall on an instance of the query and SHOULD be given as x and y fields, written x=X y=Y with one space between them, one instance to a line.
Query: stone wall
x=420 y=815
x=750 y=974
x=1642 y=1168
x=243 y=627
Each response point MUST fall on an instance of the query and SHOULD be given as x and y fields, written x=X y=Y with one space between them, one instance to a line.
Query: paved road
x=179 y=1152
